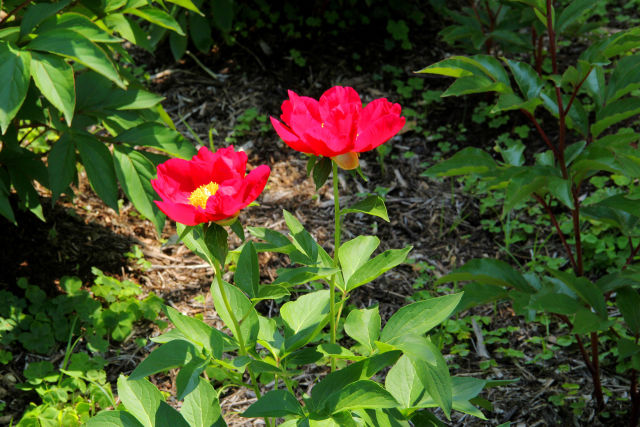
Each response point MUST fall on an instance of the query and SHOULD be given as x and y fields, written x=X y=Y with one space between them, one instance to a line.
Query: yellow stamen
x=201 y=194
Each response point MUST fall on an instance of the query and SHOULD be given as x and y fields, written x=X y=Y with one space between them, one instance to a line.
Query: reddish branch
x=14 y=11
x=632 y=254
x=541 y=131
x=597 y=386
x=576 y=89
x=554 y=221
x=487 y=42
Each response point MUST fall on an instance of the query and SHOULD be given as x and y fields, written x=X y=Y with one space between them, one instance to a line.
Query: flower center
x=200 y=195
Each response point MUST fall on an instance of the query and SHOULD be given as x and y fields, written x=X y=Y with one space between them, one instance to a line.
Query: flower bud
x=347 y=161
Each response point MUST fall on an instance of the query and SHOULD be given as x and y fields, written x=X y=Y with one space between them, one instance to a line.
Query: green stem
x=225 y=300
x=336 y=212
x=332 y=284
x=236 y=327
x=341 y=304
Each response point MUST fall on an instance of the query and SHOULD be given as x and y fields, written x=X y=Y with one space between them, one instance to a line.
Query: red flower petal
x=380 y=120
x=178 y=179
x=336 y=124
x=181 y=212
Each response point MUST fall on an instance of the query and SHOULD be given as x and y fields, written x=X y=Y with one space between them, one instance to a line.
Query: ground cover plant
x=320 y=314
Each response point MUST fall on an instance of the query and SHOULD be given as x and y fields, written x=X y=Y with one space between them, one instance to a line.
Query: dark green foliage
x=75 y=94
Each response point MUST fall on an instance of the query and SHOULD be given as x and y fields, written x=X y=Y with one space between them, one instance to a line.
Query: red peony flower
x=337 y=126
x=209 y=187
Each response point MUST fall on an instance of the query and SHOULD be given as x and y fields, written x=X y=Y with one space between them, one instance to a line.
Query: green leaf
x=596 y=86
x=625 y=77
x=489 y=271
x=223 y=14
x=269 y=336
x=526 y=77
x=372 y=205
x=363 y=325
x=561 y=189
x=321 y=172
x=467 y=161
x=191 y=236
x=355 y=253
x=132 y=99
x=159 y=137
x=628 y=302
x=617 y=211
x=420 y=317
x=476 y=294
x=484 y=67
x=135 y=171
x=338 y=380
x=275 y=403
x=113 y=419
x=178 y=45
x=510 y=101
x=141 y=398
x=98 y=163
x=201 y=407
x=14 y=69
x=80 y=24
x=129 y=29
x=277 y=242
x=169 y=417
x=247 y=275
x=187 y=4
x=362 y=394
x=241 y=308
x=430 y=368
x=588 y=292
x=216 y=241
x=302 y=240
x=304 y=318
x=5 y=205
x=271 y=292
x=557 y=303
x=200 y=32
x=301 y=275
x=72 y=45
x=377 y=266
x=615 y=112
x=61 y=165
x=171 y=355
x=475 y=84
x=573 y=12
x=36 y=13
x=156 y=16
x=189 y=376
x=600 y=52
x=197 y=332
x=237 y=228
x=403 y=383
x=54 y=77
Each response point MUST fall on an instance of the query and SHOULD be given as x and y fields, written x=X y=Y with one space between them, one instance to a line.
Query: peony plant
x=266 y=354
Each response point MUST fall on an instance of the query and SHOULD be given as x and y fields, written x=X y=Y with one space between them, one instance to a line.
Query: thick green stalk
x=225 y=300
x=332 y=285
x=236 y=326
